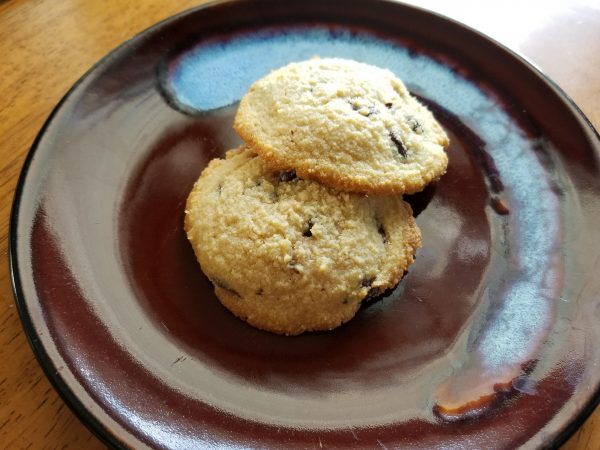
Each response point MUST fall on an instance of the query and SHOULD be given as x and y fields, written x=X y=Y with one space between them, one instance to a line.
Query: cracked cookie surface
x=346 y=124
x=290 y=255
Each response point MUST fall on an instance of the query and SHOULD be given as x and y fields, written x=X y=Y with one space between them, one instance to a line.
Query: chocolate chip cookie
x=349 y=125
x=291 y=255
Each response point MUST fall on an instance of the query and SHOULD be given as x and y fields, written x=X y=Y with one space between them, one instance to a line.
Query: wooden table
x=46 y=45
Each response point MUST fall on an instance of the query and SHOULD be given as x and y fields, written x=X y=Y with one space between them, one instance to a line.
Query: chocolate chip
x=373 y=292
x=414 y=125
x=308 y=232
x=398 y=143
x=288 y=175
x=372 y=110
x=367 y=282
x=389 y=105
x=382 y=232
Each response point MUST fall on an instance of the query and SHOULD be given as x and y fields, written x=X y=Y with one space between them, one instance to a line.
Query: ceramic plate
x=488 y=342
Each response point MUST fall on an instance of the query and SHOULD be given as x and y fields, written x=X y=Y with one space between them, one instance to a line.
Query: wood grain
x=47 y=45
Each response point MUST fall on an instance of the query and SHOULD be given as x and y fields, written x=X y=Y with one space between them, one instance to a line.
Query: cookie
x=345 y=124
x=289 y=255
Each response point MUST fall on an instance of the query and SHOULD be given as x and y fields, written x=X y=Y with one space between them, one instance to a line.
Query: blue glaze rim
x=68 y=396
x=311 y=31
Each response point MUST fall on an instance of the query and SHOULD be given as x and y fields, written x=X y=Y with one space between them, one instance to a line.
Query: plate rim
x=39 y=351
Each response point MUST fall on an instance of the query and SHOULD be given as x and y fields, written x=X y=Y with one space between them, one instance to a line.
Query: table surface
x=47 y=45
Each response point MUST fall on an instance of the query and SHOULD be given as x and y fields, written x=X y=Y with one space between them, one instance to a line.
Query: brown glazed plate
x=490 y=341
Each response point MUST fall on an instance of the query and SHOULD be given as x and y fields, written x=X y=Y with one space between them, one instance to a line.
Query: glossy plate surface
x=488 y=342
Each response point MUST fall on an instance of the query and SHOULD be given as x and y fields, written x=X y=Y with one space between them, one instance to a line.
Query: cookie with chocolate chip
x=346 y=124
x=291 y=255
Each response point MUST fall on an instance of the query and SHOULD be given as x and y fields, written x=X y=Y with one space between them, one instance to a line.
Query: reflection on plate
x=489 y=334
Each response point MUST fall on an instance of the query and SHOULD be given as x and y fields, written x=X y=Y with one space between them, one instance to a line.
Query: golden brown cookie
x=345 y=124
x=290 y=255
